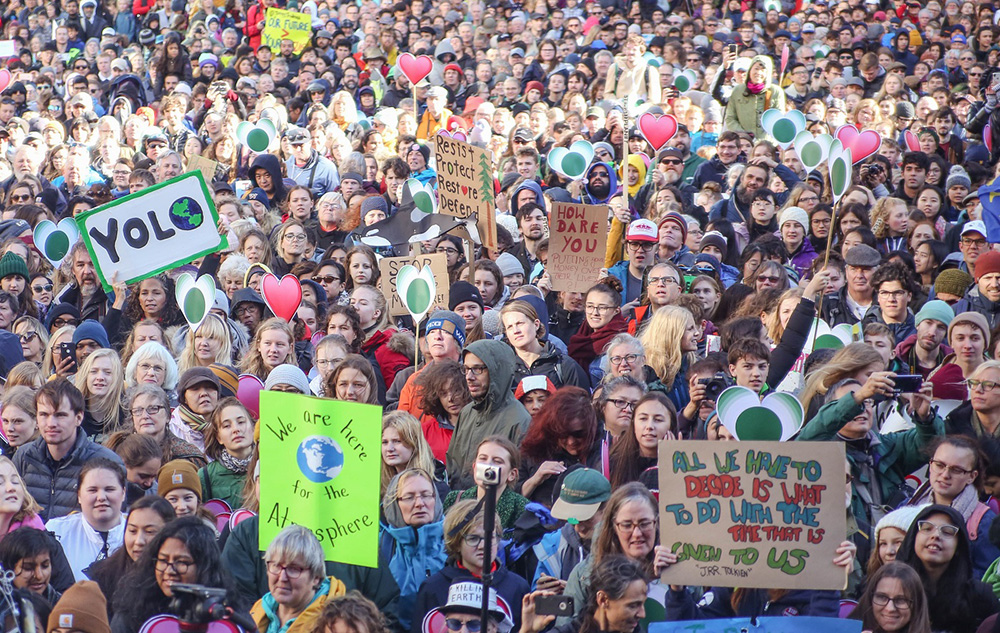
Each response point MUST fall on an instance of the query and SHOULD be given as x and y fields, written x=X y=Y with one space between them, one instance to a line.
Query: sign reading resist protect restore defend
x=154 y=230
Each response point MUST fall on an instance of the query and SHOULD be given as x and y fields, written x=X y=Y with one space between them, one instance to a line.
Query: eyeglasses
x=592 y=309
x=295 y=237
x=976 y=243
x=472 y=626
x=426 y=497
x=293 y=571
x=144 y=367
x=646 y=246
x=881 y=600
x=150 y=411
x=627 y=527
x=622 y=404
x=671 y=161
x=957 y=471
x=43 y=288
x=474 y=540
x=179 y=566
x=475 y=370
x=895 y=295
x=156 y=145
x=58 y=323
x=987 y=385
x=662 y=281
x=945 y=531
x=27 y=337
x=450 y=251
x=628 y=358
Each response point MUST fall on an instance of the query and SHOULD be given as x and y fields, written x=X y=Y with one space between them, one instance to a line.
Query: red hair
x=552 y=422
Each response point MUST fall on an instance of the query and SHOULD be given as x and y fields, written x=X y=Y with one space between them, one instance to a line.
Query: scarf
x=587 y=344
x=755 y=89
x=234 y=464
x=194 y=421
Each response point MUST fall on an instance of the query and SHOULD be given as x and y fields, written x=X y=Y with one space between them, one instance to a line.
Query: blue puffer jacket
x=416 y=554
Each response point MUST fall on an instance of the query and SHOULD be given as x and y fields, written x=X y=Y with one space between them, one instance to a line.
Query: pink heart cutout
x=282 y=296
x=5 y=78
x=658 y=130
x=239 y=516
x=912 y=143
x=861 y=144
x=988 y=138
x=415 y=68
x=248 y=393
x=458 y=135
x=170 y=624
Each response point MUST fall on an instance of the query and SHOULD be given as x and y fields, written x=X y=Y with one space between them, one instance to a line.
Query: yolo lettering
x=134 y=231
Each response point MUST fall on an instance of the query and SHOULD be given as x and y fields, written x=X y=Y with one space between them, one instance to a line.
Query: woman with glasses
x=41 y=290
x=602 y=310
x=298 y=587
x=893 y=602
x=454 y=251
x=33 y=337
x=290 y=246
x=229 y=443
x=465 y=546
x=19 y=193
x=55 y=362
x=937 y=547
x=148 y=406
x=412 y=534
x=184 y=551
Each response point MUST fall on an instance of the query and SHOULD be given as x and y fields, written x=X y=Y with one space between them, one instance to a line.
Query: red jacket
x=254 y=15
x=142 y=7
x=386 y=348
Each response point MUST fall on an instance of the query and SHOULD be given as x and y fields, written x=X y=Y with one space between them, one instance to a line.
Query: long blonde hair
x=662 y=338
x=408 y=428
x=212 y=327
x=775 y=329
x=106 y=409
x=48 y=363
x=844 y=364
x=29 y=506
x=253 y=362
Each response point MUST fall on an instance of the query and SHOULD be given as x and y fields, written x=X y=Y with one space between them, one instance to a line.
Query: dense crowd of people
x=123 y=434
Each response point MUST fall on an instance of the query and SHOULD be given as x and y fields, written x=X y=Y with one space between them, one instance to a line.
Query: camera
x=874 y=169
x=714 y=385
x=488 y=474
x=197 y=606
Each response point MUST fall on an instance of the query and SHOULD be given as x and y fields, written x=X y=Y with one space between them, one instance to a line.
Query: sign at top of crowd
x=753 y=514
x=282 y=24
x=319 y=468
x=465 y=184
x=157 y=229
x=578 y=237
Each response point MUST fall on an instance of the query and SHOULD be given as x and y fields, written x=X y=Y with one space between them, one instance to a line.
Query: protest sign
x=282 y=24
x=206 y=166
x=465 y=184
x=153 y=230
x=760 y=625
x=389 y=267
x=753 y=514
x=578 y=236
x=319 y=468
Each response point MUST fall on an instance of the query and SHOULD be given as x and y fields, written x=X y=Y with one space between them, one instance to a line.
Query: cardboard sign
x=319 y=468
x=578 y=236
x=753 y=514
x=281 y=24
x=156 y=229
x=206 y=166
x=388 y=268
x=465 y=185
x=760 y=625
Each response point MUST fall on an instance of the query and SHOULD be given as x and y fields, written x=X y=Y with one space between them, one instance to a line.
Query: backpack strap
x=972 y=524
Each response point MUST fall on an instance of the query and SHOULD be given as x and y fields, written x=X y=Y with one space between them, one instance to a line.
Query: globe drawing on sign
x=186 y=214
x=320 y=458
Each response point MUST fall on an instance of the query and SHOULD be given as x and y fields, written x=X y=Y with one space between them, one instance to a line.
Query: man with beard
x=599 y=185
x=756 y=175
x=85 y=293
x=640 y=248
x=670 y=168
x=682 y=141
x=531 y=220
x=925 y=351
x=727 y=153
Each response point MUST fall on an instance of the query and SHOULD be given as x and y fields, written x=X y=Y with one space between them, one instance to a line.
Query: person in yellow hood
x=748 y=102
x=297 y=586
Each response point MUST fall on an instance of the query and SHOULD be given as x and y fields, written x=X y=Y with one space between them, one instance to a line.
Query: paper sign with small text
x=578 y=236
x=388 y=268
x=753 y=514
x=319 y=468
x=153 y=230
x=282 y=24
x=465 y=185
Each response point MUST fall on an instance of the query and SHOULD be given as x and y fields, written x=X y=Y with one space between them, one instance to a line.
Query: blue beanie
x=90 y=330
x=936 y=310
x=260 y=196
x=374 y=203
x=450 y=322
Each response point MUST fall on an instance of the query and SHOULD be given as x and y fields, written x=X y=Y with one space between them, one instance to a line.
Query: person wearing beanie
x=178 y=483
x=793 y=223
x=418 y=157
x=197 y=394
x=89 y=337
x=13 y=274
x=287 y=378
x=714 y=244
x=377 y=207
x=923 y=352
x=984 y=297
x=248 y=308
x=81 y=608
x=258 y=201
x=61 y=314
x=229 y=382
x=968 y=336
x=672 y=235
x=956 y=187
x=512 y=271
x=98 y=529
x=890 y=531
x=951 y=285
x=450 y=323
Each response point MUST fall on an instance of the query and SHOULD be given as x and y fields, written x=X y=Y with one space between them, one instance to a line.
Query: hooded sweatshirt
x=498 y=413
x=272 y=165
x=745 y=109
x=589 y=197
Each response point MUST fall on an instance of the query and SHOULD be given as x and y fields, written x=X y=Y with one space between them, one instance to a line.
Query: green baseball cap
x=582 y=493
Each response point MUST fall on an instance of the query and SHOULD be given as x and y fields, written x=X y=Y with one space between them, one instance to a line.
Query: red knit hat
x=988 y=262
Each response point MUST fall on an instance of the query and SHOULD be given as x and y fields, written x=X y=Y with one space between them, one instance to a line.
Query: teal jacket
x=894 y=455
x=414 y=555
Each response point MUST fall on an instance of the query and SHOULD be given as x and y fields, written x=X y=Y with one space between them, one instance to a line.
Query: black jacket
x=434 y=592
x=554 y=365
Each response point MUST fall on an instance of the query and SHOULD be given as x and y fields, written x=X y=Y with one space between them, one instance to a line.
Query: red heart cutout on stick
x=415 y=68
x=658 y=130
x=912 y=143
x=282 y=296
x=861 y=144
x=5 y=78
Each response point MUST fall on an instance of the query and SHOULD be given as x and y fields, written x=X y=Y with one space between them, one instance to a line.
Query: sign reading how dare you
x=156 y=229
x=319 y=468
x=753 y=514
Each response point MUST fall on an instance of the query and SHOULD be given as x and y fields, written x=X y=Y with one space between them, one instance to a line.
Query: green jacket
x=744 y=110
x=218 y=482
x=895 y=455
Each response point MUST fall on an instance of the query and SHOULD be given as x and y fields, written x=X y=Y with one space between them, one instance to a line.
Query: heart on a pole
x=657 y=130
x=282 y=296
x=55 y=240
x=415 y=68
x=195 y=297
x=861 y=144
x=571 y=162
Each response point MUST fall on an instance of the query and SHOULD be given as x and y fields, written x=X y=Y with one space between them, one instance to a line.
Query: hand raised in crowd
x=817 y=285
x=880 y=383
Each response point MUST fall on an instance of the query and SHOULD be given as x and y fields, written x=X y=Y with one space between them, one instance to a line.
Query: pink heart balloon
x=988 y=138
x=861 y=144
x=5 y=78
x=658 y=130
x=239 y=516
x=415 y=68
x=170 y=624
x=248 y=393
x=458 y=135
x=282 y=296
x=912 y=143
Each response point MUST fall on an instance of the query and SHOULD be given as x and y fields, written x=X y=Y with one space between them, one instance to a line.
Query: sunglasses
x=768 y=279
x=326 y=279
x=24 y=198
x=472 y=626
x=45 y=288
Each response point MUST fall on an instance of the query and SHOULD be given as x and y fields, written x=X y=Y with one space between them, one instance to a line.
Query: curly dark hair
x=437 y=379
x=171 y=313
x=895 y=271
x=354 y=320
